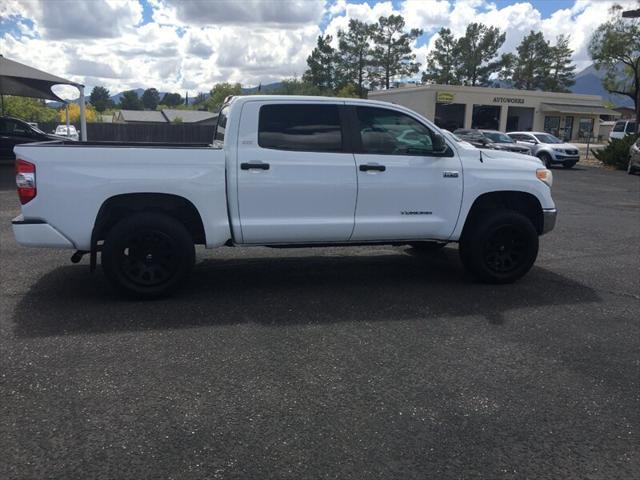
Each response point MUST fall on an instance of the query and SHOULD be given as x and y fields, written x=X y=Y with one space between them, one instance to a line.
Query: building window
x=450 y=116
x=486 y=117
x=585 y=128
x=552 y=125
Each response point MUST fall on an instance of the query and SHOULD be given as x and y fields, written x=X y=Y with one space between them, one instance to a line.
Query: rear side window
x=631 y=127
x=306 y=128
x=221 y=125
x=619 y=127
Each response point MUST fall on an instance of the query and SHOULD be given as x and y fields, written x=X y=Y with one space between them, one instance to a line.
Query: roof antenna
x=481 y=161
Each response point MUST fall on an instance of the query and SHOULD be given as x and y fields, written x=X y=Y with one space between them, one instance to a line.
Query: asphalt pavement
x=363 y=363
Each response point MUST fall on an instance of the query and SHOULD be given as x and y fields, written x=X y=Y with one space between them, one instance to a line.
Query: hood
x=501 y=159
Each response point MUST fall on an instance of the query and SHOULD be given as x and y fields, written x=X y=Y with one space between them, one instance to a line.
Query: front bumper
x=38 y=233
x=548 y=220
x=563 y=158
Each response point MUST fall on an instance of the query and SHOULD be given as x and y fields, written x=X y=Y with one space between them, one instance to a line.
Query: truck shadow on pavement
x=281 y=290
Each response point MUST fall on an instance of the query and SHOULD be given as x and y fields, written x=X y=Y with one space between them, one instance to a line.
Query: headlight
x=545 y=176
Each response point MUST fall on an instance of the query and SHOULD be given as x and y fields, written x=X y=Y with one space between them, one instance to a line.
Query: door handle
x=254 y=166
x=372 y=167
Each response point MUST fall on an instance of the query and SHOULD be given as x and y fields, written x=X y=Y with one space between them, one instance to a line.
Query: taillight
x=25 y=180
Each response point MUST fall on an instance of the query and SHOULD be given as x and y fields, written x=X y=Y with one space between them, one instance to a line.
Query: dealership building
x=568 y=116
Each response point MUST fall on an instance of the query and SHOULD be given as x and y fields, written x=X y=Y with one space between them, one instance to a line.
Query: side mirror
x=439 y=145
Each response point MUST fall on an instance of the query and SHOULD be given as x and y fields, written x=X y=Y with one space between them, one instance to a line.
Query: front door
x=296 y=178
x=406 y=189
x=568 y=128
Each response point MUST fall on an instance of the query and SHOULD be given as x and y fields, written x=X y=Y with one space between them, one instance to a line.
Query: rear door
x=407 y=190
x=296 y=174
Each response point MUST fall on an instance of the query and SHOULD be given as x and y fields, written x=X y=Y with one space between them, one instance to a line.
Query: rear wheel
x=546 y=159
x=499 y=247
x=148 y=255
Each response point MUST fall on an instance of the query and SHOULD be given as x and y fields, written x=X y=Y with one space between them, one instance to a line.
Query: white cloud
x=194 y=44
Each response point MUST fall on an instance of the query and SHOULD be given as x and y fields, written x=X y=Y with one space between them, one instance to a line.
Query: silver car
x=634 y=157
x=551 y=150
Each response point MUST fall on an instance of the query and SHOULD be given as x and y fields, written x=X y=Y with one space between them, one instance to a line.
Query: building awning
x=577 y=109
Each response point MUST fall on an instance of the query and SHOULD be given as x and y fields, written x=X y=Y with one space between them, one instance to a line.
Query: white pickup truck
x=283 y=171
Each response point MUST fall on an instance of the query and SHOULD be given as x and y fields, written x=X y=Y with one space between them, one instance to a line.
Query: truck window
x=388 y=132
x=221 y=125
x=619 y=127
x=307 y=128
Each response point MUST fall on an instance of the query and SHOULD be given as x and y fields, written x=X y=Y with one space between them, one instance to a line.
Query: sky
x=190 y=45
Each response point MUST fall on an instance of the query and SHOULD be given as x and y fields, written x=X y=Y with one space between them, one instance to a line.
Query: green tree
x=322 y=64
x=28 y=109
x=615 y=47
x=355 y=55
x=171 y=99
x=562 y=72
x=443 y=60
x=99 y=98
x=477 y=51
x=531 y=65
x=150 y=99
x=221 y=91
x=392 y=53
x=295 y=86
x=130 y=101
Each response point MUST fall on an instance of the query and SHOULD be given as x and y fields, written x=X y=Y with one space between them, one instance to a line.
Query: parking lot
x=375 y=362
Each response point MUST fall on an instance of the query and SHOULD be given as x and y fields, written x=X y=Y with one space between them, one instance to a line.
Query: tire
x=569 y=165
x=147 y=255
x=546 y=159
x=499 y=247
x=428 y=246
x=630 y=169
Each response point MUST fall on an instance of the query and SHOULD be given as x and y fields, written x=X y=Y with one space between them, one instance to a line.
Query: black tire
x=499 y=246
x=569 y=165
x=546 y=159
x=148 y=255
x=630 y=169
x=428 y=246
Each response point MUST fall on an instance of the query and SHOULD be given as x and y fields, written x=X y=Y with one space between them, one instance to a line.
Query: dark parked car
x=491 y=139
x=14 y=132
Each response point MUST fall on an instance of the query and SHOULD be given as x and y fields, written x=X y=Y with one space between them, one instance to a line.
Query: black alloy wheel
x=148 y=255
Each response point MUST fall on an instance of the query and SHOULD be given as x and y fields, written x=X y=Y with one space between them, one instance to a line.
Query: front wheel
x=546 y=159
x=148 y=255
x=499 y=247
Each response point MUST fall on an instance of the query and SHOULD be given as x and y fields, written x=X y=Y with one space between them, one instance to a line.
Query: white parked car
x=284 y=171
x=69 y=132
x=622 y=128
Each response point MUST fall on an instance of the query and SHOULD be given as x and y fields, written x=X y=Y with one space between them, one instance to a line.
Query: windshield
x=546 y=138
x=498 y=137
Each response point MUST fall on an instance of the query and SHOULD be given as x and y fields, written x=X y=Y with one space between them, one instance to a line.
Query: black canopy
x=24 y=81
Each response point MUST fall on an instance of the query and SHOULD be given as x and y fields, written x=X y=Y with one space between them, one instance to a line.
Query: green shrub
x=616 y=153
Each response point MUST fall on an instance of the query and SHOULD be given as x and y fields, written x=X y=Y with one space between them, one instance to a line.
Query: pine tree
x=562 y=72
x=392 y=54
x=355 y=55
x=532 y=63
x=477 y=51
x=322 y=64
x=443 y=60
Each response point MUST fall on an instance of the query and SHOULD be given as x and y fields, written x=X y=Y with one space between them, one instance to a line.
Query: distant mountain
x=589 y=81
